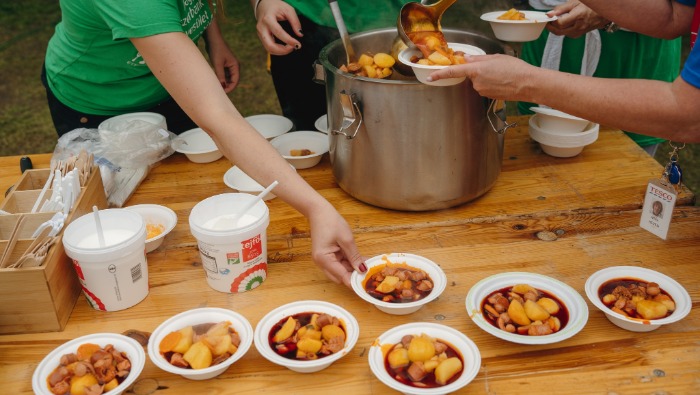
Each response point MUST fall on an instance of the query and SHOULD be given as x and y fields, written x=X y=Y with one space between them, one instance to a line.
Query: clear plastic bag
x=124 y=154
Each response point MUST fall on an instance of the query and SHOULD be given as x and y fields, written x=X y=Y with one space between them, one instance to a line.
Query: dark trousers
x=66 y=119
x=302 y=100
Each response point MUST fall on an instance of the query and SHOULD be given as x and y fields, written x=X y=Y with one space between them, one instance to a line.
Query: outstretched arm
x=177 y=63
x=656 y=108
x=657 y=18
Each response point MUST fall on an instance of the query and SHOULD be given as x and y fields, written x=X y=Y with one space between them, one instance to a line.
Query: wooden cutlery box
x=40 y=299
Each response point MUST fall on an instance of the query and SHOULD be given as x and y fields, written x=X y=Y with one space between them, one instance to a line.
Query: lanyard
x=695 y=25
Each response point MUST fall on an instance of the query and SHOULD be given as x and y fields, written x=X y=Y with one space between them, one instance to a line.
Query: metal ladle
x=417 y=17
x=344 y=36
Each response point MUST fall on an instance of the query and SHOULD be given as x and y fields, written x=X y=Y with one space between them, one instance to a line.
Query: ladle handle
x=340 y=22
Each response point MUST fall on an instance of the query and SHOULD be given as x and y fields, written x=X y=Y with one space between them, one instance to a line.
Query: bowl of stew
x=201 y=343
x=399 y=283
x=47 y=378
x=526 y=308
x=448 y=359
x=306 y=336
x=636 y=298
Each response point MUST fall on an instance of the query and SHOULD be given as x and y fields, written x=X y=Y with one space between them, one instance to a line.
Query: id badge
x=659 y=201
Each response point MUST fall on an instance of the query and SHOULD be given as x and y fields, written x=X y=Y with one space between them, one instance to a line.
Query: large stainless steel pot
x=403 y=145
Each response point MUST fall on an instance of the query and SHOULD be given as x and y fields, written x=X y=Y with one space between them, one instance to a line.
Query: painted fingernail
x=297 y=46
x=363 y=268
x=301 y=32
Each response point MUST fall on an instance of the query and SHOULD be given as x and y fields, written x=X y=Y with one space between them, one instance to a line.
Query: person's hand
x=269 y=14
x=333 y=246
x=574 y=19
x=495 y=76
x=223 y=61
x=226 y=67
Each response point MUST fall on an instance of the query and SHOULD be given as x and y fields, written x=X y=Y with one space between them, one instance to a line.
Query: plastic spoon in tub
x=231 y=221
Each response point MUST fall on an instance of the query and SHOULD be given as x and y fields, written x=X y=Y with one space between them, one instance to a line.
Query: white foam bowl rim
x=666 y=283
x=270 y=125
x=264 y=326
x=314 y=141
x=156 y=214
x=431 y=268
x=200 y=316
x=423 y=71
x=573 y=301
x=132 y=349
x=466 y=347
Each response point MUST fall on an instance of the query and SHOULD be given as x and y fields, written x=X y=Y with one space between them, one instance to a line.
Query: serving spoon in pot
x=344 y=36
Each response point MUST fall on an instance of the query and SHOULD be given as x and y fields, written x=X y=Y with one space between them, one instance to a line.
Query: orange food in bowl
x=153 y=230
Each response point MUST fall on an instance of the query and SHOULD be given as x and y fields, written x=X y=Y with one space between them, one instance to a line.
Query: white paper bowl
x=431 y=268
x=200 y=316
x=262 y=332
x=197 y=146
x=574 y=303
x=321 y=124
x=156 y=215
x=518 y=31
x=671 y=286
x=118 y=122
x=316 y=142
x=270 y=125
x=471 y=356
x=235 y=178
x=132 y=349
x=423 y=71
x=562 y=145
x=557 y=121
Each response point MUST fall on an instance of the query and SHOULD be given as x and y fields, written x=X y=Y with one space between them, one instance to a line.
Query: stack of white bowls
x=560 y=134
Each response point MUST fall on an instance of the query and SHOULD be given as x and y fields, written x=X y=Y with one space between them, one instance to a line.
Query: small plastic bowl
x=315 y=142
x=270 y=125
x=200 y=316
x=562 y=145
x=558 y=121
x=115 y=123
x=321 y=124
x=262 y=333
x=423 y=71
x=235 y=178
x=156 y=215
x=672 y=287
x=518 y=31
x=357 y=280
x=132 y=349
x=471 y=356
x=574 y=302
x=198 y=146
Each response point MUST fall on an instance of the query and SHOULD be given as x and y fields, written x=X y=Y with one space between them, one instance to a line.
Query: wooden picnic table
x=563 y=218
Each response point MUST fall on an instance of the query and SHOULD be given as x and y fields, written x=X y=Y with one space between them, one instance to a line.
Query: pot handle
x=495 y=107
x=319 y=73
x=351 y=116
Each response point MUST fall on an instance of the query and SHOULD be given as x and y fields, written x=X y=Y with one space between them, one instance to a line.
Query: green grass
x=26 y=26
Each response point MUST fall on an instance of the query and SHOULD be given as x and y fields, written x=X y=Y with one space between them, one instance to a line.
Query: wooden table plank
x=564 y=218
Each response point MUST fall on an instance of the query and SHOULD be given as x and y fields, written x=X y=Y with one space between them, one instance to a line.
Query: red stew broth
x=289 y=349
x=608 y=287
x=562 y=315
x=429 y=380
x=370 y=285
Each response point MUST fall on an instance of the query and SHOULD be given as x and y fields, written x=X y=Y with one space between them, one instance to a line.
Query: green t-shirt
x=92 y=66
x=358 y=15
x=623 y=55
